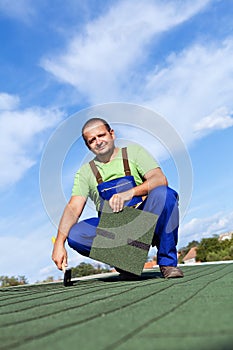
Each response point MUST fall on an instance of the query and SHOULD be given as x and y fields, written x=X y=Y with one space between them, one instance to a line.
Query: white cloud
x=219 y=119
x=188 y=89
x=19 y=131
x=195 y=87
x=8 y=102
x=198 y=228
x=100 y=61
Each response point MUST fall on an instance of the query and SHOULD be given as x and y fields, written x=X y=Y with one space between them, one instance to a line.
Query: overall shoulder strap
x=125 y=161
x=96 y=172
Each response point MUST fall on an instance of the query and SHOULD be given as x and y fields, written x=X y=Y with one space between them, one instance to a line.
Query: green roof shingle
x=194 y=312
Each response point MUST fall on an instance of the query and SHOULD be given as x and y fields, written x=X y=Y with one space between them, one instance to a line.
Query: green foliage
x=192 y=244
x=207 y=246
x=82 y=269
x=213 y=256
x=48 y=279
x=12 y=281
x=85 y=269
x=211 y=249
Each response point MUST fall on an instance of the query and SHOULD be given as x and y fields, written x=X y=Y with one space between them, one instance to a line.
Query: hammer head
x=67 y=278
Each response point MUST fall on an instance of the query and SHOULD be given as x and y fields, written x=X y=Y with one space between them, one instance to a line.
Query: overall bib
x=162 y=201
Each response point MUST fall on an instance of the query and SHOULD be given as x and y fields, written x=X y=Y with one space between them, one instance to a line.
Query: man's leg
x=81 y=235
x=163 y=201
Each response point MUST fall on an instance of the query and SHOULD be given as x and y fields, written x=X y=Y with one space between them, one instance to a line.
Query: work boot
x=171 y=272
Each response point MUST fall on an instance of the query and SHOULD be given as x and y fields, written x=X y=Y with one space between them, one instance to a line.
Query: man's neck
x=106 y=158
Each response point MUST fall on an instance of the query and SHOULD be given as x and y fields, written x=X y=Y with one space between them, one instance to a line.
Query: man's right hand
x=59 y=255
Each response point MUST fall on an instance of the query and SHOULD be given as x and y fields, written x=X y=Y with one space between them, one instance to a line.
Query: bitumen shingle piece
x=123 y=239
x=194 y=312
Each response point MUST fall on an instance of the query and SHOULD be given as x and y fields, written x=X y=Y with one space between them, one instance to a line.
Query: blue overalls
x=162 y=201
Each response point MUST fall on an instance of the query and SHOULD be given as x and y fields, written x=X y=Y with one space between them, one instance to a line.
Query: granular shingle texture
x=123 y=239
x=194 y=312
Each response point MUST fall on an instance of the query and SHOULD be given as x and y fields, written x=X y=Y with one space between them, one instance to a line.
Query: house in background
x=223 y=236
x=190 y=257
x=150 y=264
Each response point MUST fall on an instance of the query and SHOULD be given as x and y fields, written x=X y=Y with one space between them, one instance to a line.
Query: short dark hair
x=92 y=121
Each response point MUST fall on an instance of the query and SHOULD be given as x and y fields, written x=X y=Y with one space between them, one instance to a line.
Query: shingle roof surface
x=194 y=312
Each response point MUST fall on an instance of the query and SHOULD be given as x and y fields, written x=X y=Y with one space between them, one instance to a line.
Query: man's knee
x=78 y=247
x=164 y=194
x=81 y=235
x=161 y=198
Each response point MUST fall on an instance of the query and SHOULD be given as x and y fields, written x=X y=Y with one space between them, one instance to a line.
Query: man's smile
x=100 y=147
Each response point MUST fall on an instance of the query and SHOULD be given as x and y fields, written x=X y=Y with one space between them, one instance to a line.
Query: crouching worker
x=140 y=176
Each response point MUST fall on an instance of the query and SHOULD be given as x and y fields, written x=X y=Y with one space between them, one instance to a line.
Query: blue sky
x=59 y=58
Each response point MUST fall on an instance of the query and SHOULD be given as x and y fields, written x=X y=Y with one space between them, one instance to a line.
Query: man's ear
x=112 y=134
x=86 y=143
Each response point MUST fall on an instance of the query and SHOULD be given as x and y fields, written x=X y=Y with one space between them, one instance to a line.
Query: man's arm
x=153 y=178
x=70 y=216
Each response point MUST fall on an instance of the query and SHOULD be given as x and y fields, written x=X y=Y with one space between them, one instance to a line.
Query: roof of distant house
x=226 y=235
x=192 y=253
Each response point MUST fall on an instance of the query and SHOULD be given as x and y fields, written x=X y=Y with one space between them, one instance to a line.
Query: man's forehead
x=94 y=127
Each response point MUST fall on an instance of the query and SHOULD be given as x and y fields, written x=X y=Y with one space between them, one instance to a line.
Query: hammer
x=67 y=272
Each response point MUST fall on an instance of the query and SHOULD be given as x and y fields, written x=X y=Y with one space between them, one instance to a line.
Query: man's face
x=99 y=140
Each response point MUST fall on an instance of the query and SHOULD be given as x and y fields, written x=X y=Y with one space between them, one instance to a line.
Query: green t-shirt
x=140 y=162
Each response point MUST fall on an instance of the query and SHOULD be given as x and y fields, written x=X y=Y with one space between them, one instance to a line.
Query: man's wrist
x=61 y=238
x=133 y=194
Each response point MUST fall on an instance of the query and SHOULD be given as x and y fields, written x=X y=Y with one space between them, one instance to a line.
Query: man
x=131 y=165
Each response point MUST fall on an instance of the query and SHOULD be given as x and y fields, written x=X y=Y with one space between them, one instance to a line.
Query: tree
x=192 y=244
x=48 y=279
x=211 y=249
x=84 y=269
x=206 y=246
x=12 y=281
x=213 y=256
x=22 y=280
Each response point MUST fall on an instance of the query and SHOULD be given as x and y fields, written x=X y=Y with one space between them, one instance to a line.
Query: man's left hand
x=117 y=201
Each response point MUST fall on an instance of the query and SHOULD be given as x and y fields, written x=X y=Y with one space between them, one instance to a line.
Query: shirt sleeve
x=81 y=186
x=142 y=159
